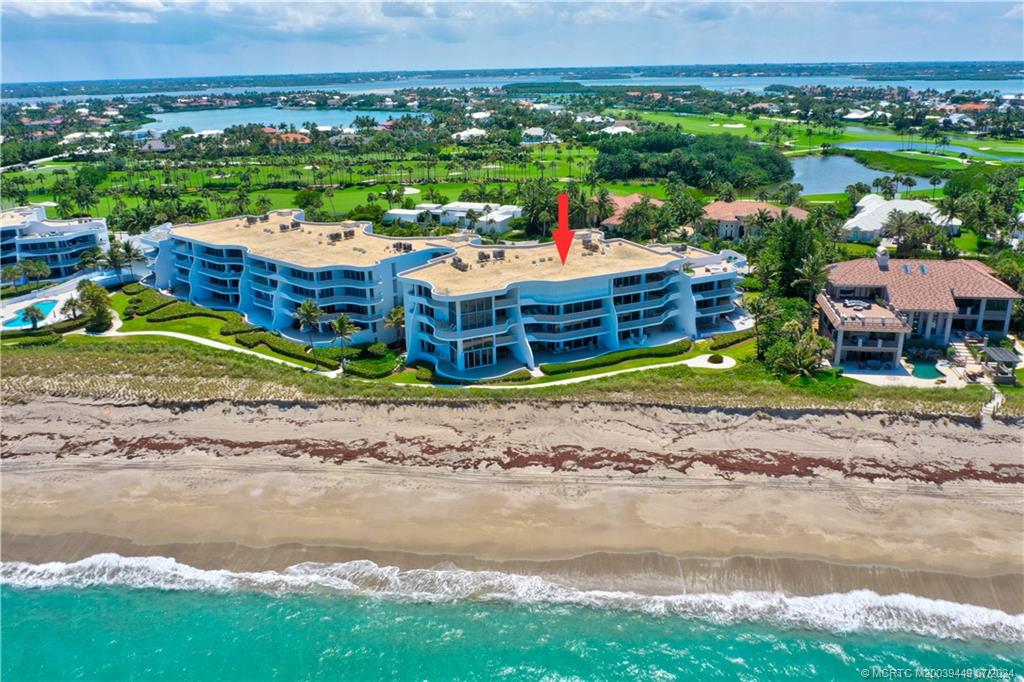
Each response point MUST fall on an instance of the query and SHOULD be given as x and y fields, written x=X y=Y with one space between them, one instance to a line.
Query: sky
x=45 y=40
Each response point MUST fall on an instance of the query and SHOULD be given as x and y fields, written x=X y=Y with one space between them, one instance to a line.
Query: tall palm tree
x=131 y=254
x=395 y=319
x=308 y=315
x=72 y=307
x=90 y=259
x=12 y=273
x=765 y=310
x=115 y=259
x=344 y=329
x=813 y=273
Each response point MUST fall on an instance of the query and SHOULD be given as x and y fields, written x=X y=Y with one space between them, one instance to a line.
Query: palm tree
x=131 y=254
x=115 y=259
x=344 y=329
x=90 y=259
x=934 y=181
x=263 y=204
x=604 y=207
x=813 y=273
x=765 y=310
x=33 y=314
x=35 y=269
x=308 y=315
x=395 y=319
x=72 y=307
x=12 y=273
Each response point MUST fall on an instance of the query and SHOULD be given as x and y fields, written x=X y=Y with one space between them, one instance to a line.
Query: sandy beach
x=602 y=497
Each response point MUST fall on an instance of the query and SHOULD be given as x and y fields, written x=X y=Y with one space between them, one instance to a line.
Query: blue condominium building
x=266 y=266
x=485 y=311
x=27 y=234
x=472 y=311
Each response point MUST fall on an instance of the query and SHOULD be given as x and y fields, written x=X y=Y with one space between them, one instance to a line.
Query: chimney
x=882 y=256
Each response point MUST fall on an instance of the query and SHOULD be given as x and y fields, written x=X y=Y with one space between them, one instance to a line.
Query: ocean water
x=109 y=617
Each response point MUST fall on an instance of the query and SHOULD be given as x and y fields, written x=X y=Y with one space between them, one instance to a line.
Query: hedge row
x=147 y=301
x=180 y=310
x=730 y=339
x=135 y=289
x=35 y=341
x=284 y=347
x=512 y=377
x=619 y=356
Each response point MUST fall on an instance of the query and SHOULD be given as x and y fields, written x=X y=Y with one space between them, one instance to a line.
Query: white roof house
x=469 y=134
x=617 y=130
x=873 y=212
x=539 y=135
x=494 y=218
x=480 y=115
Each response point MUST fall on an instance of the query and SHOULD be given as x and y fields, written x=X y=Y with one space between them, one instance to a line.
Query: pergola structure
x=1002 y=362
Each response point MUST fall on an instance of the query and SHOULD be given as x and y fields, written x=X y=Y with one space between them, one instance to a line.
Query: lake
x=891 y=145
x=219 y=119
x=831 y=174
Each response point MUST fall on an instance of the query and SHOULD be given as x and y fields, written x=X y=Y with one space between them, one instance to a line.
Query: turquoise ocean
x=151 y=618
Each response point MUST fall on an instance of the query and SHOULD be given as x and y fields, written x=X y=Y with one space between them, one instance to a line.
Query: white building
x=490 y=218
x=27 y=234
x=469 y=134
x=480 y=115
x=617 y=130
x=873 y=212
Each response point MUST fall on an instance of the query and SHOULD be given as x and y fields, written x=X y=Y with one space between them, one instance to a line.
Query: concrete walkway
x=700 y=361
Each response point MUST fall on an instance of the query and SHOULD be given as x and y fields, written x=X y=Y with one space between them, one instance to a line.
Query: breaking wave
x=860 y=610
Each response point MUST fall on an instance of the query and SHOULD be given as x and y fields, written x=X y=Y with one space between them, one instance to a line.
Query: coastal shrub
x=619 y=356
x=376 y=368
x=715 y=359
x=134 y=289
x=730 y=339
x=378 y=349
x=148 y=301
x=236 y=324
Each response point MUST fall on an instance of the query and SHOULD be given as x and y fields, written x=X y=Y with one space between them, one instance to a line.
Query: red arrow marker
x=563 y=235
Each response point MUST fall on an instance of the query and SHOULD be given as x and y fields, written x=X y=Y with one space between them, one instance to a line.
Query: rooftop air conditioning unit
x=334 y=236
x=679 y=248
x=483 y=256
x=295 y=224
x=250 y=219
x=283 y=227
x=265 y=217
x=499 y=254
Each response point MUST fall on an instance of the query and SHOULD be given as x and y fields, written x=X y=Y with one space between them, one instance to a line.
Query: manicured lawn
x=967 y=241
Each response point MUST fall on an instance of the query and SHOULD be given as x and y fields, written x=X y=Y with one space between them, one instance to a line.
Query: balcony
x=446 y=332
x=643 y=305
x=647 y=321
x=646 y=286
x=565 y=335
x=713 y=310
x=220 y=288
x=558 y=318
x=860 y=342
x=715 y=293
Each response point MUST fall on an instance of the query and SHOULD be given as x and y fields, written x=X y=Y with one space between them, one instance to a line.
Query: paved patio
x=901 y=376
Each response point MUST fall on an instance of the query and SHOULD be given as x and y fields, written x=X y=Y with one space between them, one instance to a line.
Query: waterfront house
x=27 y=234
x=871 y=307
x=622 y=204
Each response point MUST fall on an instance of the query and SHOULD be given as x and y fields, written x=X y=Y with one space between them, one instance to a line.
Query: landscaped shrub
x=236 y=324
x=512 y=377
x=620 y=356
x=731 y=339
x=56 y=328
x=424 y=371
x=715 y=359
x=180 y=310
x=378 y=349
x=284 y=347
x=134 y=289
x=148 y=301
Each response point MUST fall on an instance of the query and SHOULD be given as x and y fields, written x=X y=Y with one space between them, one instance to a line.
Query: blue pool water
x=926 y=370
x=17 y=322
x=109 y=617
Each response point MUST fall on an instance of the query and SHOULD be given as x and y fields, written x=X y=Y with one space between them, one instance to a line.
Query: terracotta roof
x=923 y=284
x=737 y=210
x=297 y=138
x=624 y=203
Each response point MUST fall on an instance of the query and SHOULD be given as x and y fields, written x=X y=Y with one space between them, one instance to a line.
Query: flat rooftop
x=538 y=263
x=310 y=244
x=856 y=315
x=15 y=216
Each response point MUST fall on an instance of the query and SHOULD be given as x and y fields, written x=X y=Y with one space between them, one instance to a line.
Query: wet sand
x=653 y=500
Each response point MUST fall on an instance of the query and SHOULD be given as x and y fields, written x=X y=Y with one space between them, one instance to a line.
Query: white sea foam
x=860 y=610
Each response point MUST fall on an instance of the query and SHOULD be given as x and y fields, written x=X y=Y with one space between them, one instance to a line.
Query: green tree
x=765 y=311
x=72 y=307
x=395 y=319
x=131 y=254
x=343 y=329
x=308 y=315
x=33 y=314
x=12 y=273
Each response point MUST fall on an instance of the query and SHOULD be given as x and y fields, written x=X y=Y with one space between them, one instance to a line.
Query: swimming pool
x=17 y=322
x=924 y=369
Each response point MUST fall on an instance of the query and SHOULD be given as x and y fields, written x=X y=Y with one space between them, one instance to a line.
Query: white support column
x=981 y=315
x=928 y=326
x=949 y=328
x=839 y=345
x=1006 y=318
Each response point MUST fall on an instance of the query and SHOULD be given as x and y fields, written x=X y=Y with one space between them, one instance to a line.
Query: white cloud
x=124 y=11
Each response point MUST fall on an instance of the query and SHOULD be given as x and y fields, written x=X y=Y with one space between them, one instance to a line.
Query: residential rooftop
x=928 y=285
x=622 y=204
x=737 y=210
x=856 y=315
x=312 y=245
x=537 y=263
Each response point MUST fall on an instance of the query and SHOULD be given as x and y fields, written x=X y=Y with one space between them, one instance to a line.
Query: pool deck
x=901 y=376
